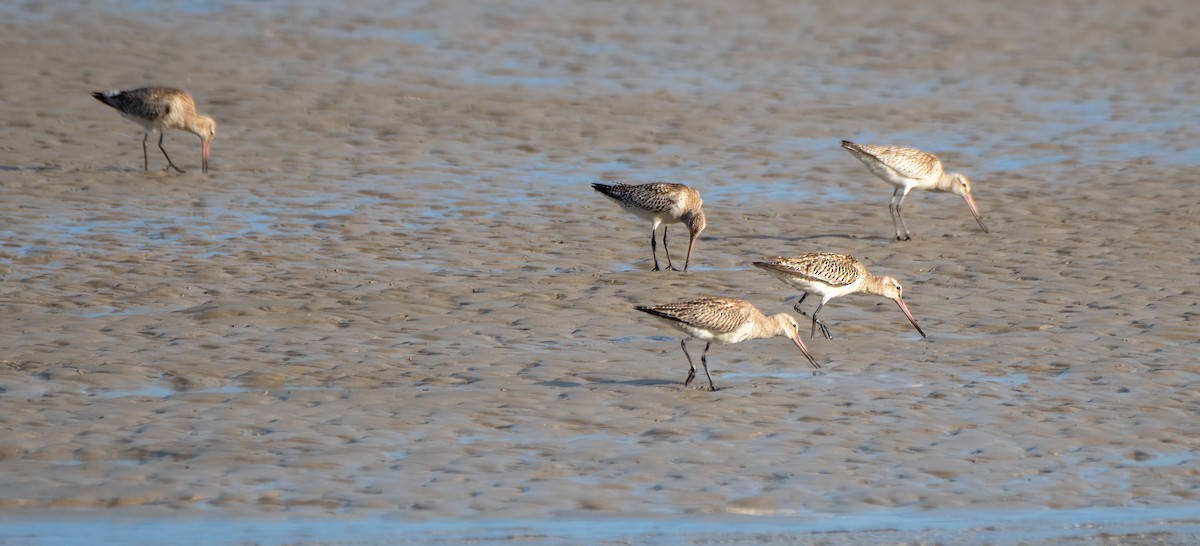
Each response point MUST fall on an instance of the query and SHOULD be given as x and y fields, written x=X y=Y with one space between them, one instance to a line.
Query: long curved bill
x=800 y=343
x=975 y=211
x=908 y=314
x=688 y=259
x=204 y=159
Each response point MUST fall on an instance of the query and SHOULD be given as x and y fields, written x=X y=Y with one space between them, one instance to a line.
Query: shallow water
x=1000 y=527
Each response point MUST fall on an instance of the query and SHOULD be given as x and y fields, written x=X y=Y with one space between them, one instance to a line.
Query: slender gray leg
x=797 y=306
x=815 y=323
x=900 y=215
x=692 y=367
x=145 y=154
x=654 y=251
x=897 y=216
x=892 y=210
x=170 y=164
x=667 y=249
x=704 y=362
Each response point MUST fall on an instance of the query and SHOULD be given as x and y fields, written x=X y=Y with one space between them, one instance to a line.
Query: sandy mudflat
x=396 y=298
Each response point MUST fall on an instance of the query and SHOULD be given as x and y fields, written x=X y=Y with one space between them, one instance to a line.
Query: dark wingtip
x=847 y=144
x=609 y=190
x=103 y=97
x=654 y=312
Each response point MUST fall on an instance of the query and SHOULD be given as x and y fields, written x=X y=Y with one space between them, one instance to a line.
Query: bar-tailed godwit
x=661 y=203
x=725 y=321
x=159 y=109
x=832 y=275
x=910 y=169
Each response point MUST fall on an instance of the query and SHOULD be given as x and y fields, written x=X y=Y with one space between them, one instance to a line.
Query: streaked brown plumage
x=910 y=169
x=159 y=109
x=661 y=203
x=832 y=275
x=725 y=321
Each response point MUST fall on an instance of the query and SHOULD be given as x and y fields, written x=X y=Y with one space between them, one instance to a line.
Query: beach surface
x=396 y=306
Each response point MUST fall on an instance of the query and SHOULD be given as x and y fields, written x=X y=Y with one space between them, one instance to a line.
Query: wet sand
x=396 y=294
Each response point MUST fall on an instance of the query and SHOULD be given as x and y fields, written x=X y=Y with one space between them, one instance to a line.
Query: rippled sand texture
x=396 y=293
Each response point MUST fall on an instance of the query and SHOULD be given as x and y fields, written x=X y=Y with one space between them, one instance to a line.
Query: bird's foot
x=905 y=237
x=812 y=334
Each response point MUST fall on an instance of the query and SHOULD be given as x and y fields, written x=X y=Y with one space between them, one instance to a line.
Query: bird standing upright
x=661 y=203
x=832 y=275
x=159 y=109
x=910 y=169
x=725 y=321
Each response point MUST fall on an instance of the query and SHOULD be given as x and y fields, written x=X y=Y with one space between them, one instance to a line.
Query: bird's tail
x=610 y=191
x=106 y=98
x=656 y=312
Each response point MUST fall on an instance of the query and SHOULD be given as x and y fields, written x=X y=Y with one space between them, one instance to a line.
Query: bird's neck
x=196 y=124
x=774 y=325
x=945 y=183
x=874 y=285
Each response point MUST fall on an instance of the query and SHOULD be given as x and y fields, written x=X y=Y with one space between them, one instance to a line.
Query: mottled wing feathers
x=148 y=103
x=826 y=267
x=909 y=162
x=657 y=197
x=718 y=315
x=134 y=103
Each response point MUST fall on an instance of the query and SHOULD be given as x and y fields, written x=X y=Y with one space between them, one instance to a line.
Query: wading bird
x=832 y=275
x=159 y=109
x=661 y=203
x=725 y=321
x=909 y=169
